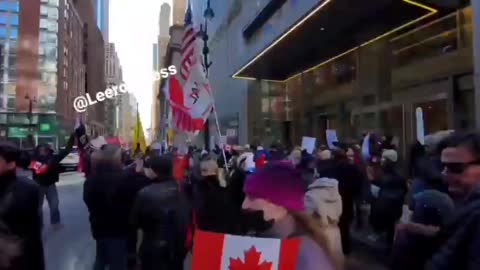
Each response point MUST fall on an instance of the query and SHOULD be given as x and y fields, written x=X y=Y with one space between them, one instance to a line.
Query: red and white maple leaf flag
x=215 y=251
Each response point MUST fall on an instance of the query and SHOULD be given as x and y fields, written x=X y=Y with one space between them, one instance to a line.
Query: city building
x=102 y=10
x=40 y=41
x=71 y=69
x=160 y=108
x=179 y=8
x=155 y=109
x=94 y=60
x=421 y=57
x=113 y=77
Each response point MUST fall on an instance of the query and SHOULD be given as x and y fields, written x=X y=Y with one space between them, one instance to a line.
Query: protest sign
x=308 y=143
x=331 y=135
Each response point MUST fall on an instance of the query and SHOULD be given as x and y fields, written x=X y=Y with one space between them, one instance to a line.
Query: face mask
x=149 y=173
x=255 y=222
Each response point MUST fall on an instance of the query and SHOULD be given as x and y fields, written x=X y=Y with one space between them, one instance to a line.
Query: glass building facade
x=40 y=122
x=48 y=55
x=9 y=20
x=376 y=87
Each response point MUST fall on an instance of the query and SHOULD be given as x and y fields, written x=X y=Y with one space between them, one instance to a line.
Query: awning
x=332 y=29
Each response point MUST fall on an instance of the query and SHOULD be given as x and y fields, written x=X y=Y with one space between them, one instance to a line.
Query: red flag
x=223 y=251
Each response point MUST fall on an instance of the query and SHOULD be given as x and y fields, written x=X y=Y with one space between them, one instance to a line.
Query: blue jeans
x=112 y=254
x=52 y=199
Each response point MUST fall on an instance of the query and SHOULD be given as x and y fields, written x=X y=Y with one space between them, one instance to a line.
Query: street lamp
x=30 y=116
x=208 y=15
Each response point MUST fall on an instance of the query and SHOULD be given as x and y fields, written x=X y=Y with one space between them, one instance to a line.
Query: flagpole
x=208 y=15
x=138 y=126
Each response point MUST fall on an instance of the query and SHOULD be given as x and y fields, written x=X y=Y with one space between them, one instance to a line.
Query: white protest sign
x=331 y=135
x=308 y=143
x=420 y=125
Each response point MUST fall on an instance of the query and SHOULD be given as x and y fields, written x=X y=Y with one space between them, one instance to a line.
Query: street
x=72 y=247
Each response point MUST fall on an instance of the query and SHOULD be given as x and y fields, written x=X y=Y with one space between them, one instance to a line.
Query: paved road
x=72 y=247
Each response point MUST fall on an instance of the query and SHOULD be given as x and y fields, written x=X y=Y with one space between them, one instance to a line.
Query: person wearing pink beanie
x=278 y=191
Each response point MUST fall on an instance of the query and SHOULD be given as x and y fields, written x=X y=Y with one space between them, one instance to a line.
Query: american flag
x=190 y=95
x=189 y=57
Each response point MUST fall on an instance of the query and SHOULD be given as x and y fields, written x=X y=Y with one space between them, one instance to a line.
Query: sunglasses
x=458 y=167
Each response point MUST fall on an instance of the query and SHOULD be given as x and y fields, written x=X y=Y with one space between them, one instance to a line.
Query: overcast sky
x=133 y=29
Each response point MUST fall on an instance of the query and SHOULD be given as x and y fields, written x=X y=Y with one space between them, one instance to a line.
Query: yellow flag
x=139 y=137
x=170 y=136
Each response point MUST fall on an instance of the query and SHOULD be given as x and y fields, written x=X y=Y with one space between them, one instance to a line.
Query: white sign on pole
x=420 y=125
x=331 y=135
x=308 y=143
x=223 y=141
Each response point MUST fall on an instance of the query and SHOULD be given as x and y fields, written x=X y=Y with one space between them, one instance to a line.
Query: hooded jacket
x=163 y=215
x=324 y=202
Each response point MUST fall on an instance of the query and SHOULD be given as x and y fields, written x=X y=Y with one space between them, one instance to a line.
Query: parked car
x=70 y=162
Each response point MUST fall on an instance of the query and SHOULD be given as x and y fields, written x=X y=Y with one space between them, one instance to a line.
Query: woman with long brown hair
x=275 y=195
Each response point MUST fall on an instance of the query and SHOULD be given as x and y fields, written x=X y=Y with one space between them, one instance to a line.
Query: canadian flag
x=214 y=251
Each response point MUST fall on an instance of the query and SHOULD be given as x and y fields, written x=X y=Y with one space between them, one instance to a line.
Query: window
x=3 y=19
x=3 y=32
x=43 y=23
x=14 y=20
x=43 y=10
x=54 y=2
x=6 y=6
x=12 y=61
x=13 y=33
x=11 y=102
x=52 y=26
x=52 y=13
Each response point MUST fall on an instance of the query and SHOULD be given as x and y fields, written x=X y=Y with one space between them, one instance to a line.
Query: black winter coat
x=213 y=206
x=350 y=183
x=106 y=197
x=21 y=213
x=162 y=213
x=459 y=240
x=388 y=207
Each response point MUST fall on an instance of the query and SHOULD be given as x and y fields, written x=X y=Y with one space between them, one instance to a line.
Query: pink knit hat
x=278 y=183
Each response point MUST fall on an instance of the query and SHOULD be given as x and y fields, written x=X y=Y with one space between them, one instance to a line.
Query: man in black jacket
x=20 y=211
x=459 y=239
x=46 y=169
x=161 y=212
x=456 y=244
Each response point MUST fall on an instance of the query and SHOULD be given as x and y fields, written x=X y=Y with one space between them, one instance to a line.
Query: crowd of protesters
x=144 y=208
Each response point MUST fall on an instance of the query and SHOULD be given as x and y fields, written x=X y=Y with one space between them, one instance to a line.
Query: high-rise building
x=179 y=8
x=113 y=77
x=160 y=49
x=94 y=60
x=71 y=69
x=164 y=19
x=40 y=42
x=155 y=59
x=102 y=9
